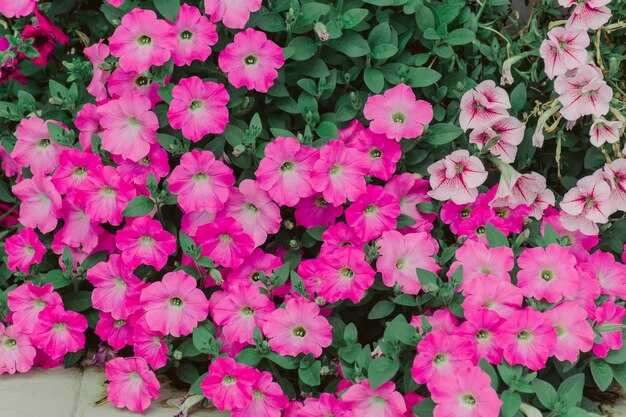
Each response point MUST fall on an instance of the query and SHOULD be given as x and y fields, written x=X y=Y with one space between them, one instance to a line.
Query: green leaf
x=138 y=206
x=404 y=221
x=384 y=51
x=576 y=412
x=495 y=237
x=424 y=408
x=511 y=402
x=93 y=259
x=422 y=77
x=77 y=301
x=203 y=339
x=187 y=373
x=550 y=235
x=300 y=48
x=448 y=11
x=287 y=362
x=443 y=133
x=5 y=194
x=249 y=357
x=518 y=97
x=616 y=357
x=571 y=390
x=460 y=37
x=168 y=8
x=327 y=130
x=188 y=245
x=374 y=79
x=57 y=278
x=545 y=392
x=351 y=44
x=350 y=334
x=353 y=17
x=382 y=309
x=428 y=279
x=316 y=232
x=381 y=370
x=602 y=373
x=311 y=375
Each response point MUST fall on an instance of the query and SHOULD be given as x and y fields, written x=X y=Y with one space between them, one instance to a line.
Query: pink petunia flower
x=363 y=401
x=564 y=50
x=573 y=332
x=456 y=177
x=74 y=170
x=316 y=211
x=268 y=399
x=131 y=383
x=225 y=242
x=114 y=284
x=401 y=254
x=201 y=182
x=253 y=208
x=251 y=60
x=144 y=241
x=117 y=332
x=615 y=172
x=26 y=302
x=440 y=356
x=285 y=171
x=142 y=40
x=239 y=310
x=603 y=131
x=34 y=147
x=583 y=92
x=228 y=384
x=156 y=162
x=383 y=154
x=58 y=332
x=18 y=8
x=198 y=108
x=610 y=274
x=250 y=270
x=40 y=203
x=527 y=339
x=326 y=405
x=24 y=249
x=128 y=82
x=373 y=213
x=16 y=351
x=298 y=328
x=482 y=325
x=500 y=296
x=483 y=104
x=97 y=54
x=479 y=261
x=175 y=305
x=586 y=204
x=234 y=15
x=78 y=231
x=129 y=127
x=397 y=114
x=149 y=344
x=608 y=319
x=467 y=394
x=345 y=275
x=506 y=131
x=548 y=273
x=587 y=14
x=411 y=191
x=196 y=35
x=339 y=173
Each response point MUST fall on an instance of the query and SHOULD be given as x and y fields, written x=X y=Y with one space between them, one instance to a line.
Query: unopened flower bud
x=321 y=31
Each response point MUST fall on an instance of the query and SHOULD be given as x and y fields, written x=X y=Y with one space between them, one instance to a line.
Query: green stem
x=11 y=210
x=482 y=8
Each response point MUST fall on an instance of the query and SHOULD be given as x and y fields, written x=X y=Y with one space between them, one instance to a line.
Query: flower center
x=10 y=343
x=133 y=121
x=321 y=203
x=146 y=240
x=485 y=270
x=458 y=168
x=375 y=153
x=108 y=190
x=480 y=230
x=440 y=358
x=145 y=161
x=255 y=277
x=135 y=376
x=398 y=117
x=335 y=170
x=39 y=303
x=257 y=395
x=58 y=326
x=468 y=399
x=200 y=176
x=298 y=331
x=250 y=60
x=287 y=166
x=44 y=143
x=80 y=172
x=225 y=238
x=371 y=209
x=378 y=400
x=29 y=249
x=196 y=104
x=141 y=81
x=590 y=202
x=523 y=335
x=144 y=40
x=502 y=212
x=229 y=380
x=482 y=334
x=547 y=275
x=346 y=273
x=119 y=282
x=400 y=263
x=560 y=331
x=465 y=213
x=175 y=302
x=186 y=35
x=119 y=323
x=248 y=311
x=251 y=207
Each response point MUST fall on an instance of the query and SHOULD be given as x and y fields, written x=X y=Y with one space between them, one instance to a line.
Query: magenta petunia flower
x=24 y=249
x=268 y=399
x=114 y=284
x=143 y=241
x=456 y=177
x=286 y=171
x=401 y=254
x=500 y=296
x=527 y=339
x=298 y=328
x=363 y=401
x=117 y=332
x=74 y=169
x=20 y=8
x=339 y=173
x=316 y=211
x=122 y=82
x=397 y=114
x=467 y=394
x=345 y=275
x=156 y=162
x=201 y=182
x=228 y=384
x=326 y=405
x=573 y=332
x=225 y=242
x=97 y=54
x=40 y=203
x=440 y=356
x=129 y=127
x=149 y=344
x=411 y=191
x=610 y=274
x=480 y=261
x=26 y=302
x=195 y=36
x=250 y=270
x=142 y=40
x=251 y=60
x=373 y=213
x=482 y=325
x=34 y=147
x=383 y=153
x=565 y=49
x=131 y=383
x=608 y=319
x=58 y=332
x=16 y=350
x=78 y=231
x=233 y=14
x=175 y=305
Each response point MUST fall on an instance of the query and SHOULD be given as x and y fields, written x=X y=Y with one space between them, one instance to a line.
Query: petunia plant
x=313 y=208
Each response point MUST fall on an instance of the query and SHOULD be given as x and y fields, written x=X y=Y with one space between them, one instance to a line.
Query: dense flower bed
x=360 y=208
